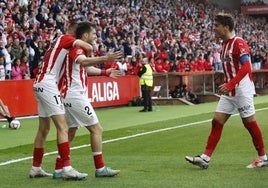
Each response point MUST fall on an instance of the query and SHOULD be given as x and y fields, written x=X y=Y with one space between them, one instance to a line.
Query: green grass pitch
x=148 y=148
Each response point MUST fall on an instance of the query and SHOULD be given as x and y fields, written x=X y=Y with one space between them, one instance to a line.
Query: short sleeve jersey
x=75 y=76
x=54 y=58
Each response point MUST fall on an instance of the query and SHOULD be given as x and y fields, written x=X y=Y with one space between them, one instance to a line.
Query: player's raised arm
x=91 y=61
x=111 y=72
x=88 y=47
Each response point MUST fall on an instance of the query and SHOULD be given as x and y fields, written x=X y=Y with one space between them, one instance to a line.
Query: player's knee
x=216 y=124
x=95 y=129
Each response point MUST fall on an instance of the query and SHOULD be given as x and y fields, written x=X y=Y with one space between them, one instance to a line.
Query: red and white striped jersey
x=231 y=52
x=74 y=79
x=54 y=58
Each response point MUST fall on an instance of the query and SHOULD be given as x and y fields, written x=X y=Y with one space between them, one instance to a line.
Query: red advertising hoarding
x=103 y=91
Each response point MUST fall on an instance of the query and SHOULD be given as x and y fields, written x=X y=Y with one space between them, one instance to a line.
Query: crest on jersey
x=79 y=51
x=243 y=51
x=242 y=48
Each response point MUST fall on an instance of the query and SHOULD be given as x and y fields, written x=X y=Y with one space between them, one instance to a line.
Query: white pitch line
x=118 y=139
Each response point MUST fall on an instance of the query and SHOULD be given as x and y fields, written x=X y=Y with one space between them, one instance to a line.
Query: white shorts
x=48 y=99
x=79 y=111
x=244 y=105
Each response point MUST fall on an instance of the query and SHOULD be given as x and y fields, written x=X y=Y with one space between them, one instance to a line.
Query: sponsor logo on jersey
x=38 y=89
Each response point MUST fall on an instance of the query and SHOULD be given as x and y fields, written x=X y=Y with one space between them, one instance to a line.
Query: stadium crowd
x=177 y=36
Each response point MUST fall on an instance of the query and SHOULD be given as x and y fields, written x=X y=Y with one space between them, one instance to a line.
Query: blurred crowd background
x=176 y=36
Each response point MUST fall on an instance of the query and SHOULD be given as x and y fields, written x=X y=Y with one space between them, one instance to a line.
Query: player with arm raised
x=50 y=105
x=79 y=112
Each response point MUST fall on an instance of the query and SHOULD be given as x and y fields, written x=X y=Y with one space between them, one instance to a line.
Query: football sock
x=98 y=160
x=58 y=165
x=38 y=154
x=263 y=158
x=64 y=152
x=256 y=136
x=66 y=168
x=214 y=137
x=36 y=168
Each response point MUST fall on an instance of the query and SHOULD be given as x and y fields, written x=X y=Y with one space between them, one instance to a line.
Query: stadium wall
x=103 y=91
x=106 y=92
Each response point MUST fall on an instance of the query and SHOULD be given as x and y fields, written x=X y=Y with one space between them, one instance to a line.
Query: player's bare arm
x=88 y=47
x=111 y=72
x=91 y=61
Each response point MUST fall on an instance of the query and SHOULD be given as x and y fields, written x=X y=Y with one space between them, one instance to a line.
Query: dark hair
x=225 y=20
x=84 y=27
x=72 y=27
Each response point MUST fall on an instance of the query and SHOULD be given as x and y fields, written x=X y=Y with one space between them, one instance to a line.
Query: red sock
x=98 y=161
x=38 y=154
x=256 y=136
x=214 y=137
x=58 y=165
x=64 y=152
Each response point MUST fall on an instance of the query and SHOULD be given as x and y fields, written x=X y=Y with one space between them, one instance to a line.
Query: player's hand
x=113 y=56
x=222 y=90
x=113 y=73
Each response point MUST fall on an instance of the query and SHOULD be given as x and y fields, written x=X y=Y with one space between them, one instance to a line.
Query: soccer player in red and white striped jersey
x=73 y=86
x=50 y=105
x=237 y=93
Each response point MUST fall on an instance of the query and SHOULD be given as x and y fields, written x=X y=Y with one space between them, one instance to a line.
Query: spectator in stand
x=24 y=49
x=42 y=49
x=3 y=62
x=173 y=65
x=2 y=68
x=127 y=47
x=138 y=63
x=152 y=63
x=109 y=44
x=263 y=53
x=16 y=73
x=199 y=63
x=130 y=66
x=266 y=60
x=181 y=64
x=166 y=65
x=8 y=61
x=159 y=65
x=24 y=67
x=16 y=49
x=216 y=59
x=207 y=64
x=127 y=33
x=122 y=65
x=257 y=60
x=187 y=66
x=163 y=54
x=192 y=64
x=39 y=52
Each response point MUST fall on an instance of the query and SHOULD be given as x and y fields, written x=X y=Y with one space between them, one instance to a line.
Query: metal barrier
x=203 y=82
